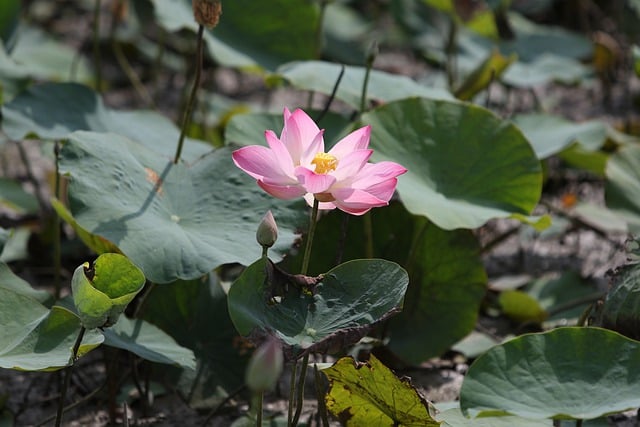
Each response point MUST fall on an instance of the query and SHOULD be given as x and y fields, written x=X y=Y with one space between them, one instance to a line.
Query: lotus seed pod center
x=325 y=163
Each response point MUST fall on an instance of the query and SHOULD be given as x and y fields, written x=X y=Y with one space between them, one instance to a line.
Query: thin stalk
x=143 y=300
x=300 y=397
x=97 y=60
x=312 y=230
x=322 y=407
x=265 y=251
x=325 y=110
x=67 y=378
x=131 y=74
x=258 y=398
x=57 y=245
x=292 y=392
x=368 y=235
x=192 y=96
x=365 y=85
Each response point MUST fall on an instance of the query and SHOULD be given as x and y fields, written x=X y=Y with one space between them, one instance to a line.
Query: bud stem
x=192 y=96
x=312 y=229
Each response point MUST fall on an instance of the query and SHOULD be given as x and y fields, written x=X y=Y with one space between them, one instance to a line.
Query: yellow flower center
x=325 y=163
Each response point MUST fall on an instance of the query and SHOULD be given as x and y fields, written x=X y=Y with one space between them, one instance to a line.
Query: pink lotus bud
x=267 y=233
x=265 y=366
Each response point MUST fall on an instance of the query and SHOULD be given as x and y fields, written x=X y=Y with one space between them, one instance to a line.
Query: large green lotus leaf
x=567 y=373
x=550 y=135
x=148 y=342
x=103 y=290
x=450 y=415
x=10 y=281
x=251 y=32
x=34 y=338
x=533 y=40
x=345 y=300
x=621 y=308
x=38 y=111
x=320 y=76
x=38 y=55
x=195 y=314
x=465 y=165
x=622 y=187
x=172 y=220
x=546 y=68
x=369 y=394
x=443 y=299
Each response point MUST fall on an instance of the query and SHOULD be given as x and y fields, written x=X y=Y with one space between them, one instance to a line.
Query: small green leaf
x=148 y=342
x=369 y=394
x=102 y=291
x=487 y=72
x=498 y=176
x=567 y=373
x=521 y=307
x=344 y=302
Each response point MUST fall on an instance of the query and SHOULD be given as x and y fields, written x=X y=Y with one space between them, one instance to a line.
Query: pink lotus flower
x=296 y=165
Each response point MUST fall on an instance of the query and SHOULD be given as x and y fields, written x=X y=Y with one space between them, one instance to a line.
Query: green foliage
x=325 y=313
x=167 y=218
x=35 y=338
x=37 y=111
x=567 y=373
x=103 y=290
x=498 y=176
x=148 y=342
x=621 y=308
x=370 y=394
x=622 y=190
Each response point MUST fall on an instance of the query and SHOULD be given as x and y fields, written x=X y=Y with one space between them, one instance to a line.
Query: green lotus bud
x=265 y=366
x=267 y=233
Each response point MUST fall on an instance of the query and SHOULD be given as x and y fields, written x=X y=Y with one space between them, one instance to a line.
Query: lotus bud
x=265 y=366
x=267 y=233
x=207 y=12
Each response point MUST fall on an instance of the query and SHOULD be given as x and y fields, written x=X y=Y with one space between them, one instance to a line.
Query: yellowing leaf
x=369 y=394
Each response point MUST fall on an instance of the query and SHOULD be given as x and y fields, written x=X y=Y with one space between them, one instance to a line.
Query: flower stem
x=192 y=96
x=67 y=378
x=57 y=245
x=300 y=397
x=368 y=235
x=312 y=229
x=257 y=402
x=292 y=392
